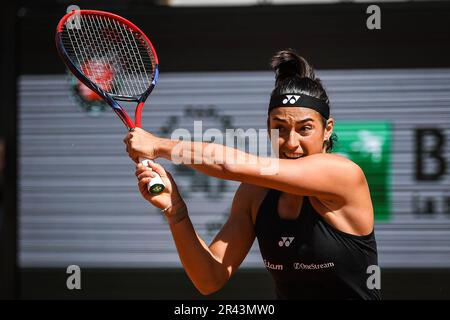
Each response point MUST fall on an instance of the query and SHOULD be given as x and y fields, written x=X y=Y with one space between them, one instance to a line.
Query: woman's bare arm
x=210 y=267
x=323 y=175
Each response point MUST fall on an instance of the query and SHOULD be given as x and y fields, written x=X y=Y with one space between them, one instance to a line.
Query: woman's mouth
x=292 y=155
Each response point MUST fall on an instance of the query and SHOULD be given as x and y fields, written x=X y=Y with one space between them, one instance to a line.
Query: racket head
x=111 y=56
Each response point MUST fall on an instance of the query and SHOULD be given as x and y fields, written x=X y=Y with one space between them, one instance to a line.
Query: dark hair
x=293 y=74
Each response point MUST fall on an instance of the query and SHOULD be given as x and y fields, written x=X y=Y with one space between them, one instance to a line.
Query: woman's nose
x=293 y=141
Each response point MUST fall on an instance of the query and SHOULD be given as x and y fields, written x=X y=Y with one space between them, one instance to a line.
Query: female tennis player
x=313 y=219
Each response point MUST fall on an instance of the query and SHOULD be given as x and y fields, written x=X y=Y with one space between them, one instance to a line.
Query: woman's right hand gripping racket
x=112 y=57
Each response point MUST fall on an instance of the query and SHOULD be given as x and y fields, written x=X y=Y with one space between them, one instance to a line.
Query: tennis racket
x=113 y=58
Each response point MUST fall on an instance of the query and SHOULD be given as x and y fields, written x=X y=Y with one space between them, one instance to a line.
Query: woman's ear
x=328 y=129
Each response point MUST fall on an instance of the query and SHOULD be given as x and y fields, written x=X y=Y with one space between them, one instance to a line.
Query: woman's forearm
x=203 y=268
x=215 y=160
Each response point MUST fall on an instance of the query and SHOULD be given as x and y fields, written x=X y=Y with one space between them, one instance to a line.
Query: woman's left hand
x=141 y=143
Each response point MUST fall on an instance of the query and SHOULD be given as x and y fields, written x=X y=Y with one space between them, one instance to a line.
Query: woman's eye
x=306 y=128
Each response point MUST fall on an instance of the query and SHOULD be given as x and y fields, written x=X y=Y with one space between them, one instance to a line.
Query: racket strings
x=112 y=55
x=92 y=64
x=134 y=72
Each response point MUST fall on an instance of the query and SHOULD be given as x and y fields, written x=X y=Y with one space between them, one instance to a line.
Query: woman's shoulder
x=335 y=157
x=251 y=191
x=340 y=164
x=253 y=196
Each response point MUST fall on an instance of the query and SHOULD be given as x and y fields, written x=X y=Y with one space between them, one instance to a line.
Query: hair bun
x=287 y=63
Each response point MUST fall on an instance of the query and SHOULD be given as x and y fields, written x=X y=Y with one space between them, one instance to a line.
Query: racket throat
x=138 y=114
x=127 y=121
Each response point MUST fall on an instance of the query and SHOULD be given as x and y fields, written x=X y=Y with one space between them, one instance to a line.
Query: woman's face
x=301 y=131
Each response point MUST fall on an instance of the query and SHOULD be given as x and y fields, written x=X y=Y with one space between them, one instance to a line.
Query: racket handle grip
x=156 y=186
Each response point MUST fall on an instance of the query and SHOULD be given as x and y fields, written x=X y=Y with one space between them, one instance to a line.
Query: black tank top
x=310 y=259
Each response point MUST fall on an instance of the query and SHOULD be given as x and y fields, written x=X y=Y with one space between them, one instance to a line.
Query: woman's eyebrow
x=299 y=121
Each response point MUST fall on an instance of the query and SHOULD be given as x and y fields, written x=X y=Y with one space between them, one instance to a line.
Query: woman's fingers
x=146 y=174
x=142 y=184
x=159 y=169
x=141 y=168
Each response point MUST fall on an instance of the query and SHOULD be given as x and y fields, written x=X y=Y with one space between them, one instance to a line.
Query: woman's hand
x=141 y=143
x=170 y=199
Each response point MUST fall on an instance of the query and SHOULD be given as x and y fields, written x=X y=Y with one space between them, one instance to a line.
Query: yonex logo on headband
x=291 y=99
x=300 y=100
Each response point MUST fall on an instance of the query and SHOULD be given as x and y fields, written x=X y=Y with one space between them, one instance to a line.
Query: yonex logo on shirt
x=285 y=241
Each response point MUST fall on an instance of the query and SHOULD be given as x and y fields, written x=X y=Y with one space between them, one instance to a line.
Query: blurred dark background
x=190 y=39
x=333 y=36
